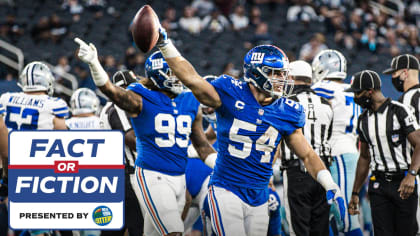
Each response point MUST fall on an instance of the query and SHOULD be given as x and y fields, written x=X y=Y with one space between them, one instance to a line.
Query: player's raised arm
x=127 y=100
x=203 y=91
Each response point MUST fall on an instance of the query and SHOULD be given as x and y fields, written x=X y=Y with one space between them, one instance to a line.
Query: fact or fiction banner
x=66 y=180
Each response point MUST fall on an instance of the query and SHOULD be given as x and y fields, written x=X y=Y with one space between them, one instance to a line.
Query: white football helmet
x=84 y=101
x=36 y=76
x=329 y=64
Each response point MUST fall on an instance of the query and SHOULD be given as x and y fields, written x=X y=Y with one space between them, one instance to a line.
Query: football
x=145 y=28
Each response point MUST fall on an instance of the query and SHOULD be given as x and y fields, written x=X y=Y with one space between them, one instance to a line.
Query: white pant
x=162 y=202
x=231 y=216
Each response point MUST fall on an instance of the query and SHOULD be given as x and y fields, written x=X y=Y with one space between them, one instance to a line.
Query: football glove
x=88 y=54
x=334 y=195
x=163 y=37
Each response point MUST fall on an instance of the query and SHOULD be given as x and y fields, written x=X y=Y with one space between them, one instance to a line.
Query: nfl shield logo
x=260 y=112
x=395 y=138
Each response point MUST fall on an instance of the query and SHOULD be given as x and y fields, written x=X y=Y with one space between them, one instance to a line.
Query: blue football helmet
x=267 y=68
x=159 y=72
x=209 y=113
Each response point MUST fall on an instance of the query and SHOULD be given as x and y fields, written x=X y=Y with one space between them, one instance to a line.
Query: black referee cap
x=364 y=80
x=124 y=78
x=405 y=61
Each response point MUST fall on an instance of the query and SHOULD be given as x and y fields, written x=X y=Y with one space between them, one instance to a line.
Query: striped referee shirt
x=113 y=117
x=385 y=131
x=411 y=99
x=318 y=126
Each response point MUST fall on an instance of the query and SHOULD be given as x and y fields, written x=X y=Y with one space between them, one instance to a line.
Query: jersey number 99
x=167 y=124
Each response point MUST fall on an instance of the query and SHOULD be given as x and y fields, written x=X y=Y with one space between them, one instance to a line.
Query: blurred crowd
x=382 y=27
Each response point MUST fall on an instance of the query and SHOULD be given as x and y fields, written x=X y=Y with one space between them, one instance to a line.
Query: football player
x=164 y=120
x=84 y=106
x=252 y=117
x=34 y=108
x=329 y=71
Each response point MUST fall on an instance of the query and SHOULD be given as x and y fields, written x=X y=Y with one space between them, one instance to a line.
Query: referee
x=390 y=144
x=306 y=206
x=113 y=117
x=405 y=78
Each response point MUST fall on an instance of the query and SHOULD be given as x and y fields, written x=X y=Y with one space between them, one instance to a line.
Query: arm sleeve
x=60 y=109
x=118 y=122
x=360 y=131
x=2 y=110
x=406 y=119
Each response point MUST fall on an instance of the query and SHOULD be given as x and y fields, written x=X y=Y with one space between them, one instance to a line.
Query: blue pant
x=343 y=171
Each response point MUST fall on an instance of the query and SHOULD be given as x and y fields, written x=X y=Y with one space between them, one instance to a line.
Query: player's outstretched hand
x=335 y=195
x=87 y=53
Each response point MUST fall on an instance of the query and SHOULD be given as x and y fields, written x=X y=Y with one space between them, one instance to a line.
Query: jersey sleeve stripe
x=324 y=90
x=60 y=109
x=62 y=115
x=324 y=95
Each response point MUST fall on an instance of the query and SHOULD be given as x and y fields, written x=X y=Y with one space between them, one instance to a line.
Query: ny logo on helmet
x=157 y=64
x=257 y=57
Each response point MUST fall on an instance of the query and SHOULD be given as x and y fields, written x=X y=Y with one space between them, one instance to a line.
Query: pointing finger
x=80 y=42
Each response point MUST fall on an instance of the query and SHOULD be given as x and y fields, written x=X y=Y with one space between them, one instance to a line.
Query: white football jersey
x=32 y=112
x=89 y=122
x=346 y=112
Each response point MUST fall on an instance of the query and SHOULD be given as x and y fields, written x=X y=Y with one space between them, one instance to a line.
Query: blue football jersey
x=247 y=136
x=163 y=130
x=195 y=174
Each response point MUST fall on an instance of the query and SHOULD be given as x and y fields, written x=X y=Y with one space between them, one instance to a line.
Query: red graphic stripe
x=79 y=166
x=155 y=219
x=214 y=210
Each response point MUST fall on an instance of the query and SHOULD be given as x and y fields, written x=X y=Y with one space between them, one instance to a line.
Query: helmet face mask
x=35 y=77
x=267 y=68
x=84 y=101
x=161 y=75
x=329 y=64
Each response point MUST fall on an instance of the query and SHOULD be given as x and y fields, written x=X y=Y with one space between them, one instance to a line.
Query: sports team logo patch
x=257 y=57
x=66 y=180
x=157 y=64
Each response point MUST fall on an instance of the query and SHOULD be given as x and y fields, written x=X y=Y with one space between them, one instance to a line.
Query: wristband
x=355 y=193
x=210 y=160
x=191 y=152
x=325 y=179
x=99 y=76
x=169 y=50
